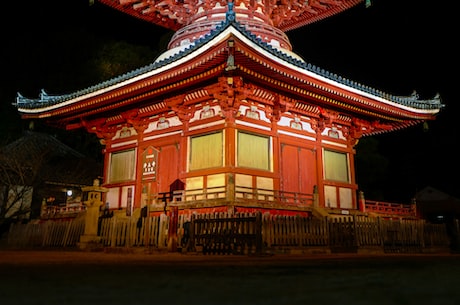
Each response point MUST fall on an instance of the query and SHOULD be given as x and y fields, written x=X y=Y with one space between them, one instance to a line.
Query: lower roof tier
x=230 y=66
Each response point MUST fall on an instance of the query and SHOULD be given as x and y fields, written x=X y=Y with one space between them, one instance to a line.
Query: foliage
x=17 y=180
x=114 y=58
x=371 y=169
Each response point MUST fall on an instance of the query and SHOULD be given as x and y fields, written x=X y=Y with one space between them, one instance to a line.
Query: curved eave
x=282 y=75
x=154 y=17
x=167 y=77
x=271 y=65
x=391 y=127
x=325 y=94
x=320 y=10
x=151 y=86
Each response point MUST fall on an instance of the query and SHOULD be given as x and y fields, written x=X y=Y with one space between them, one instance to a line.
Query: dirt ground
x=75 y=277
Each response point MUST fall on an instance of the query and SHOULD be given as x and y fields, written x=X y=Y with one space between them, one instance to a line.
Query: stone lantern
x=93 y=204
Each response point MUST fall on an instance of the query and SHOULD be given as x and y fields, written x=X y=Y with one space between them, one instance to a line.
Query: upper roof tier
x=267 y=19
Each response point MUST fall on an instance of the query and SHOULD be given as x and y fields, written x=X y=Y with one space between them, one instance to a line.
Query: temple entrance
x=168 y=167
x=298 y=166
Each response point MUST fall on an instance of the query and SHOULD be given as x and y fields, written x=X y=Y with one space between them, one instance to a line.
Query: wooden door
x=168 y=167
x=298 y=169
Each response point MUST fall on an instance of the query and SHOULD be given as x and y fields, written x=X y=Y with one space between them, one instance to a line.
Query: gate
x=233 y=235
x=342 y=235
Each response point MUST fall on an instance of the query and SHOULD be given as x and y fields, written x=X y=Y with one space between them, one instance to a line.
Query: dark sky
x=396 y=46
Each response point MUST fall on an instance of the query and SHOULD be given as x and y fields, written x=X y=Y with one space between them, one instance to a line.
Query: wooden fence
x=243 y=234
x=46 y=234
x=135 y=232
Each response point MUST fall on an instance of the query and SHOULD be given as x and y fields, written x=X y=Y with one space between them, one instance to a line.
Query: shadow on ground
x=54 y=277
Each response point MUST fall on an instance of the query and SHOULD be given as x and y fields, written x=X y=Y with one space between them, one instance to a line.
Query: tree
x=371 y=169
x=36 y=168
x=17 y=179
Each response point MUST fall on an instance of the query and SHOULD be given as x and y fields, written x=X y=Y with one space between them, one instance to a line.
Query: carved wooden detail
x=99 y=127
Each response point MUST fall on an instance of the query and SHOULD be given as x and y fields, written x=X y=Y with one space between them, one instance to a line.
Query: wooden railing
x=245 y=195
x=237 y=194
x=281 y=197
x=248 y=196
x=390 y=208
x=61 y=211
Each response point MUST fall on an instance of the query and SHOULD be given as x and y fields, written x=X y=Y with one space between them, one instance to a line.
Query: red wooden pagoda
x=229 y=118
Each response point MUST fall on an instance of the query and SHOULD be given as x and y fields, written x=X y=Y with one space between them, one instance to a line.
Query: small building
x=229 y=118
x=51 y=172
x=437 y=206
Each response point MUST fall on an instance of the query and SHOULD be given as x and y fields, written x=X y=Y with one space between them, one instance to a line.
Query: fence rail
x=243 y=234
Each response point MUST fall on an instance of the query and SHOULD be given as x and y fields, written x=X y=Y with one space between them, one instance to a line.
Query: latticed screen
x=122 y=166
x=253 y=151
x=206 y=151
x=336 y=166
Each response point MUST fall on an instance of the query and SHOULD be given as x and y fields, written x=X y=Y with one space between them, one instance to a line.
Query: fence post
x=258 y=233
x=356 y=234
x=191 y=241
x=172 y=229
x=113 y=230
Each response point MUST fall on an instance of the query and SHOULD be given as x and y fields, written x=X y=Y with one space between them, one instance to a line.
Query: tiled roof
x=412 y=101
x=58 y=162
x=37 y=143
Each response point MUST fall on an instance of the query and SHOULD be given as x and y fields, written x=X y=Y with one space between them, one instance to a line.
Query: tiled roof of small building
x=57 y=162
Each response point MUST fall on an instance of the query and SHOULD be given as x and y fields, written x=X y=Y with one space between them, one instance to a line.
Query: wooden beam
x=126 y=2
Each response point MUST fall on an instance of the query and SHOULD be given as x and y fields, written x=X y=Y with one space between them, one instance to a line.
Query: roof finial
x=230 y=15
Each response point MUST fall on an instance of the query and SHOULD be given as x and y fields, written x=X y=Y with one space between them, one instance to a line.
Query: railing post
x=231 y=187
x=315 y=196
x=361 y=201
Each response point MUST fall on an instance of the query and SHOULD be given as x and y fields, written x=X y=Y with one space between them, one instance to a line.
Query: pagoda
x=229 y=118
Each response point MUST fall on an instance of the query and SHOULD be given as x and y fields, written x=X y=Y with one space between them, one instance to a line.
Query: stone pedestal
x=90 y=239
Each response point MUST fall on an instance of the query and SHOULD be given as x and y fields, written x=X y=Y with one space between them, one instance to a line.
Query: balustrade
x=237 y=194
x=390 y=208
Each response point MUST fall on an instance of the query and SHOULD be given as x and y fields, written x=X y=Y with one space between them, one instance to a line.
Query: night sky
x=396 y=46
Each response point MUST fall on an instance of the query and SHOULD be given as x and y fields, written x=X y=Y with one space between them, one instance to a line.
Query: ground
x=75 y=277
